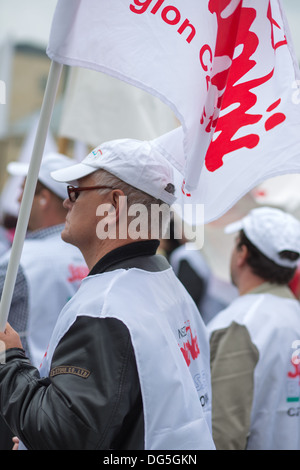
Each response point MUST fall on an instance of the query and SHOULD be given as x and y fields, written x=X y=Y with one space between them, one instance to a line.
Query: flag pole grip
x=29 y=190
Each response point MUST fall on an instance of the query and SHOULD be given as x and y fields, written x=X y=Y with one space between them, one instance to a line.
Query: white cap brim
x=18 y=168
x=234 y=227
x=72 y=173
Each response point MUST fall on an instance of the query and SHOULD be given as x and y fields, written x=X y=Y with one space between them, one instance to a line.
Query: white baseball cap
x=50 y=162
x=135 y=162
x=271 y=231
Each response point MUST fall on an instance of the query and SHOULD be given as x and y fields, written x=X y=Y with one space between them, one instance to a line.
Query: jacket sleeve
x=92 y=389
x=233 y=360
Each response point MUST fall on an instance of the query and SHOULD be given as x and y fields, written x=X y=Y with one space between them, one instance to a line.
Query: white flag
x=225 y=67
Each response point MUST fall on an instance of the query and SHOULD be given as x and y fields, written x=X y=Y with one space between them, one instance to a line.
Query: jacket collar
x=123 y=253
x=274 y=289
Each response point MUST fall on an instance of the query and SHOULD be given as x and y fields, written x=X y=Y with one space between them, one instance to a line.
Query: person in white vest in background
x=128 y=363
x=50 y=270
x=254 y=364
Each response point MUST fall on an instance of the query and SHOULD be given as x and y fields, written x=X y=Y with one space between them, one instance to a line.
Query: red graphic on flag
x=239 y=98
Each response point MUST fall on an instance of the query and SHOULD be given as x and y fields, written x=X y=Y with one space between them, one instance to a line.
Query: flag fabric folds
x=225 y=67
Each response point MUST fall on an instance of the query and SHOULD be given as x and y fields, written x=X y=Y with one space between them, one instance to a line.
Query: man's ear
x=114 y=208
x=242 y=255
x=119 y=202
x=113 y=215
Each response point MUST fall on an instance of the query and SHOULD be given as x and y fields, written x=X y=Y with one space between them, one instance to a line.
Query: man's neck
x=249 y=283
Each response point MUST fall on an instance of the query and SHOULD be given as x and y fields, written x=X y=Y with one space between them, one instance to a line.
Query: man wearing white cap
x=254 y=365
x=128 y=363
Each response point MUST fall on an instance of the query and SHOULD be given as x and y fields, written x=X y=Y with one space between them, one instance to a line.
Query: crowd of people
x=111 y=344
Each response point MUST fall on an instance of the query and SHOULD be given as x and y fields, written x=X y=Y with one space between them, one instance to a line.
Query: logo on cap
x=95 y=154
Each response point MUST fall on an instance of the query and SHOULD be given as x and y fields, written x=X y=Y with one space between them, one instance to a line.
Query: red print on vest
x=296 y=372
x=237 y=97
x=190 y=348
x=77 y=273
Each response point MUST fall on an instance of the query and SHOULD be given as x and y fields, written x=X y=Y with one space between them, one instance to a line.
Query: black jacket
x=92 y=397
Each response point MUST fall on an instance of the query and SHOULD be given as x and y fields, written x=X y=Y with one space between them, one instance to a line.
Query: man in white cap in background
x=255 y=372
x=128 y=363
x=50 y=270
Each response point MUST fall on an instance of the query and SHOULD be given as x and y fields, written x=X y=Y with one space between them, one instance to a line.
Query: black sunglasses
x=73 y=191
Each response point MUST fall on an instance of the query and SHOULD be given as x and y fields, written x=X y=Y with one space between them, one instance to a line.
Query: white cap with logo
x=271 y=231
x=135 y=162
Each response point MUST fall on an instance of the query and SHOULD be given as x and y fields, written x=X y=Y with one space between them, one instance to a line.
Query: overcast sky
x=28 y=20
x=292 y=10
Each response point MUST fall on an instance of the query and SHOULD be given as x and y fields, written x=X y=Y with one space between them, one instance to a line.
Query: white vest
x=171 y=348
x=53 y=270
x=274 y=325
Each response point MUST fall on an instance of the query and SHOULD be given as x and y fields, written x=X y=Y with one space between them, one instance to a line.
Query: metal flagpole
x=29 y=190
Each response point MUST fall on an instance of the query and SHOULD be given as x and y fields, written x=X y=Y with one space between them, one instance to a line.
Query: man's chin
x=65 y=236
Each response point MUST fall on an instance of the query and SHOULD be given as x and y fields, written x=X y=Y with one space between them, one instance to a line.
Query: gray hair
x=158 y=212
